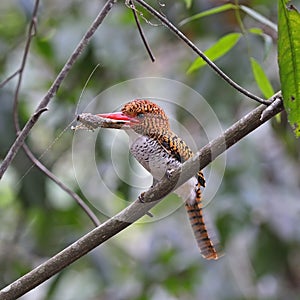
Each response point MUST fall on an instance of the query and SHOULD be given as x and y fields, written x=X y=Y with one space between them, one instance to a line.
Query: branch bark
x=31 y=33
x=137 y=209
x=55 y=86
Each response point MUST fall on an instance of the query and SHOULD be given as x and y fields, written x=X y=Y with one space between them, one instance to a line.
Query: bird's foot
x=141 y=197
x=169 y=173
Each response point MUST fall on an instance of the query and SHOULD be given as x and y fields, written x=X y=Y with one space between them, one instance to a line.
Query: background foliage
x=256 y=210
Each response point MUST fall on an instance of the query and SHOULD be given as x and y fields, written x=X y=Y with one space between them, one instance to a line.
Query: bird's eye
x=140 y=115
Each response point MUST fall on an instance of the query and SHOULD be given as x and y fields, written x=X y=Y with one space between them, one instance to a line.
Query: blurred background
x=254 y=207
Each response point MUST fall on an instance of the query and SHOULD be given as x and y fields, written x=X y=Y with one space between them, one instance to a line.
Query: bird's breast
x=157 y=160
x=153 y=156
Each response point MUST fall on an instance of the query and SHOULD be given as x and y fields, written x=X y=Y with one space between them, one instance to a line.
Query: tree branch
x=30 y=155
x=31 y=33
x=136 y=18
x=50 y=175
x=137 y=209
x=10 y=77
x=56 y=84
x=177 y=32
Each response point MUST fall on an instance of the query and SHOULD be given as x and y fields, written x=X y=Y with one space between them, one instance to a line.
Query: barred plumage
x=159 y=149
x=195 y=213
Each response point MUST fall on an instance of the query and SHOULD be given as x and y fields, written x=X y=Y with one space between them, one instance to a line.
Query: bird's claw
x=169 y=173
x=141 y=197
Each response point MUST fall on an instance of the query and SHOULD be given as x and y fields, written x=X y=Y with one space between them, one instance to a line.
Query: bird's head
x=142 y=116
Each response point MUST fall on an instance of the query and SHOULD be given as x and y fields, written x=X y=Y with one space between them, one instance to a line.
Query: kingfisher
x=159 y=150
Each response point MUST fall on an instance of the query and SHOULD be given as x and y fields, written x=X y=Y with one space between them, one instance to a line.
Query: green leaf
x=255 y=30
x=289 y=61
x=219 y=49
x=261 y=79
x=208 y=12
x=188 y=3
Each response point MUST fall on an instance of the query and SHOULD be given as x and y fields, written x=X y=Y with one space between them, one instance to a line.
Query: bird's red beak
x=118 y=116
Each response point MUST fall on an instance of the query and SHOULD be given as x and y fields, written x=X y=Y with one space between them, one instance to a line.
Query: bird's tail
x=205 y=244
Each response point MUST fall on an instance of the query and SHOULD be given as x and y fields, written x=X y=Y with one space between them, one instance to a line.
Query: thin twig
x=10 y=77
x=138 y=209
x=56 y=84
x=20 y=140
x=175 y=30
x=76 y=197
x=143 y=37
x=269 y=110
x=30 y=155
x=31 y=34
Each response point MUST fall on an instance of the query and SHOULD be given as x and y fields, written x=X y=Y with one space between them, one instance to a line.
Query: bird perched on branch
x=159 y=151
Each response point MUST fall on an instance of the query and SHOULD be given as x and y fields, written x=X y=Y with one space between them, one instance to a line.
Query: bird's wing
x=178 y=149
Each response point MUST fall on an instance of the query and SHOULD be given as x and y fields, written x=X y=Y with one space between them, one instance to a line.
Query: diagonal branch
x=138 y=24
x=30 y=155
x=137 y=209
x=31 y=34
x=10 y=77
x=177 y=32
x=50 y=175
x=55 y=86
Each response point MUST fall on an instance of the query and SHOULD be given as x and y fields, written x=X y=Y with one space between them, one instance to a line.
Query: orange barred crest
x=139 y=106
x=152 y=120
